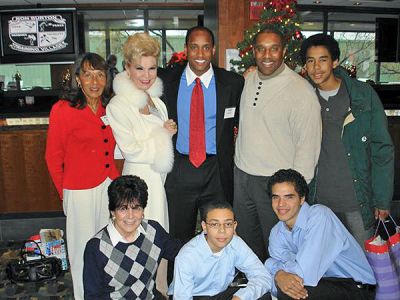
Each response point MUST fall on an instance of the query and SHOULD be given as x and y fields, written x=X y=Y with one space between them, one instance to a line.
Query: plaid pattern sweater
x=126 y=271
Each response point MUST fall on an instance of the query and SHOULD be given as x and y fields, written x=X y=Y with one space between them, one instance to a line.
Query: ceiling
x=363 y=3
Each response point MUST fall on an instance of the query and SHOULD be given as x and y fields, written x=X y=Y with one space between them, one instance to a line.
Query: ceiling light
x=357 y=3
x=317 y=2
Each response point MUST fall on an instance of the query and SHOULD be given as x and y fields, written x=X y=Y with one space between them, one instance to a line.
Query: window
x=355 y=33
x=32 y=75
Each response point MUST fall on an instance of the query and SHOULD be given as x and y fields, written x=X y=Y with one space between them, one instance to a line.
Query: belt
x=364 y=286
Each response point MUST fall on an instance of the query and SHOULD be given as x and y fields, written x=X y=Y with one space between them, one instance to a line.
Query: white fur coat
x=141 y=138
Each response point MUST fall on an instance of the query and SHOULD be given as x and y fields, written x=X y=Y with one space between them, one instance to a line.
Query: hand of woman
x=171 y=126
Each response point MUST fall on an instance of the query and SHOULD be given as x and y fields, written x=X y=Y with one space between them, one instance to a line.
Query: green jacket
x=369 y=149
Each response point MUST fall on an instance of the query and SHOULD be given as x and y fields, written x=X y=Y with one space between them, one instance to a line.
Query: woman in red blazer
x=80 y=158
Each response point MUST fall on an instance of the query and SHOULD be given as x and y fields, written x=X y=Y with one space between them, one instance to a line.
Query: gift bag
x=384 y=258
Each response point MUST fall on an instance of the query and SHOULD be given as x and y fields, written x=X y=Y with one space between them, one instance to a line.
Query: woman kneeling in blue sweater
x=121 y=260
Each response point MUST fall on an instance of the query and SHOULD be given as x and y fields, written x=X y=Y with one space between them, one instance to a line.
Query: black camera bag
x=43 y=269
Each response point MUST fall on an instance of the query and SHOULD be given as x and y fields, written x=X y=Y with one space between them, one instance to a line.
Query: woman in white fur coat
x=140 y=124
x=139 y=121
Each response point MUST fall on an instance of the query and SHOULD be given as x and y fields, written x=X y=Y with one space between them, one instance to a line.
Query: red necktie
x=197 y=138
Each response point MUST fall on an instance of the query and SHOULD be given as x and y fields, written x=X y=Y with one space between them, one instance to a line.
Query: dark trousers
x=188 y=188
x=336 y=289
x=253 y=211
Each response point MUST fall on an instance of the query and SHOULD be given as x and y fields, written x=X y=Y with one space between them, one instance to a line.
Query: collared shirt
x=200 y=272
x=186 y=86
x=318 y=246
x=116 y=237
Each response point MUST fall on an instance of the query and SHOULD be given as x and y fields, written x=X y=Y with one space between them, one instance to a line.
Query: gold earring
x=79 y=85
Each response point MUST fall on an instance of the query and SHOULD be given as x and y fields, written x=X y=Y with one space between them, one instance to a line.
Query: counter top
x=23 y=127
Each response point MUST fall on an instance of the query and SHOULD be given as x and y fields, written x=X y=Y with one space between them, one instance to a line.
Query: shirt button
x=105 y=140
x=256 y=99
x=106 y=153
x=260 y=83
x=348 y=154
x=327 y=109
x=259 y=87
x=257 y=93
x=254 y=104
x=355 y=180
x=107 y=165
x=103 y=127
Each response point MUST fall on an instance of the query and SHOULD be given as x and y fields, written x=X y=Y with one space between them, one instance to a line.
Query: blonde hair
x=138 y=45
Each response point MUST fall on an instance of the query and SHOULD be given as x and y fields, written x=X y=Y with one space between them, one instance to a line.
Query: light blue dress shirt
x=186 y=86
x=199 y=272
x=318 y=246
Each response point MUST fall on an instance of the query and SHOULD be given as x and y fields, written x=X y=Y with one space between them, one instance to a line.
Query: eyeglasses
x=227 y=225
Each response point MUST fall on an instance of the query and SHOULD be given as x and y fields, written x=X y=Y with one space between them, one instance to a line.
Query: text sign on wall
x=256 y=9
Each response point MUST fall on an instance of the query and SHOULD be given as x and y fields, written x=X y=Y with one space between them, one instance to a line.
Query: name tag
x=105 y=120
x=229 y=112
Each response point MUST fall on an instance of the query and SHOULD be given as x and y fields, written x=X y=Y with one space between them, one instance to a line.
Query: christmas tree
x=280 y=15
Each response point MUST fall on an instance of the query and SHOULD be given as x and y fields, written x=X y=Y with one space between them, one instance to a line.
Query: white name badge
x=105 y=120
x=229 y=112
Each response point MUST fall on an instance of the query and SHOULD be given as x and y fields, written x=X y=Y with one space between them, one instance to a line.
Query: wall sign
x=37 y=34
x=256 y=9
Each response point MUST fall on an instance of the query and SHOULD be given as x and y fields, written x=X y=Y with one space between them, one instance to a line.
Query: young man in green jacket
x=355 y=171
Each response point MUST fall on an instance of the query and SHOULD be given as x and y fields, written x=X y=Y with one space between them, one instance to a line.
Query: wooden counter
x=25 y=184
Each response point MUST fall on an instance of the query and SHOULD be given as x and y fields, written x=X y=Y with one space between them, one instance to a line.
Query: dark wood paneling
x=233 y=19
x=24 y=180
x=25 y=184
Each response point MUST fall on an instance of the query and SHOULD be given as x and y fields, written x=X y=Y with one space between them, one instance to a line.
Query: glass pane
x=311 y=21
x=390 y=72
x=32 y=75
x=117 y=40
x=175 y=42
x=173 y=19
x=97 y=43
x=358 y=49
x=158 y=35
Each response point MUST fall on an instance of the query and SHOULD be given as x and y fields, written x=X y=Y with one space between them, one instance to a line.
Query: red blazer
x=80 y=148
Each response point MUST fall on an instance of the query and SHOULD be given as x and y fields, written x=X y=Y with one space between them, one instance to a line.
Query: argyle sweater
x=126 y=271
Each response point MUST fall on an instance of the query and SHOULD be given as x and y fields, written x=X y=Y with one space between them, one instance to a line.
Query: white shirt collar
x=205 y=78
x=116 y=237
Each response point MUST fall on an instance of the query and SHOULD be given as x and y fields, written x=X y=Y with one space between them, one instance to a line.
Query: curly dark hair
x=75 y=96
x=320 y=39
x=125 y=190
x=209 y=206
x=290 y=176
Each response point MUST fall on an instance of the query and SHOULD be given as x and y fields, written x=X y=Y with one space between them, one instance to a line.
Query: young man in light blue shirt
x=313 y=256
x=206 y=265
